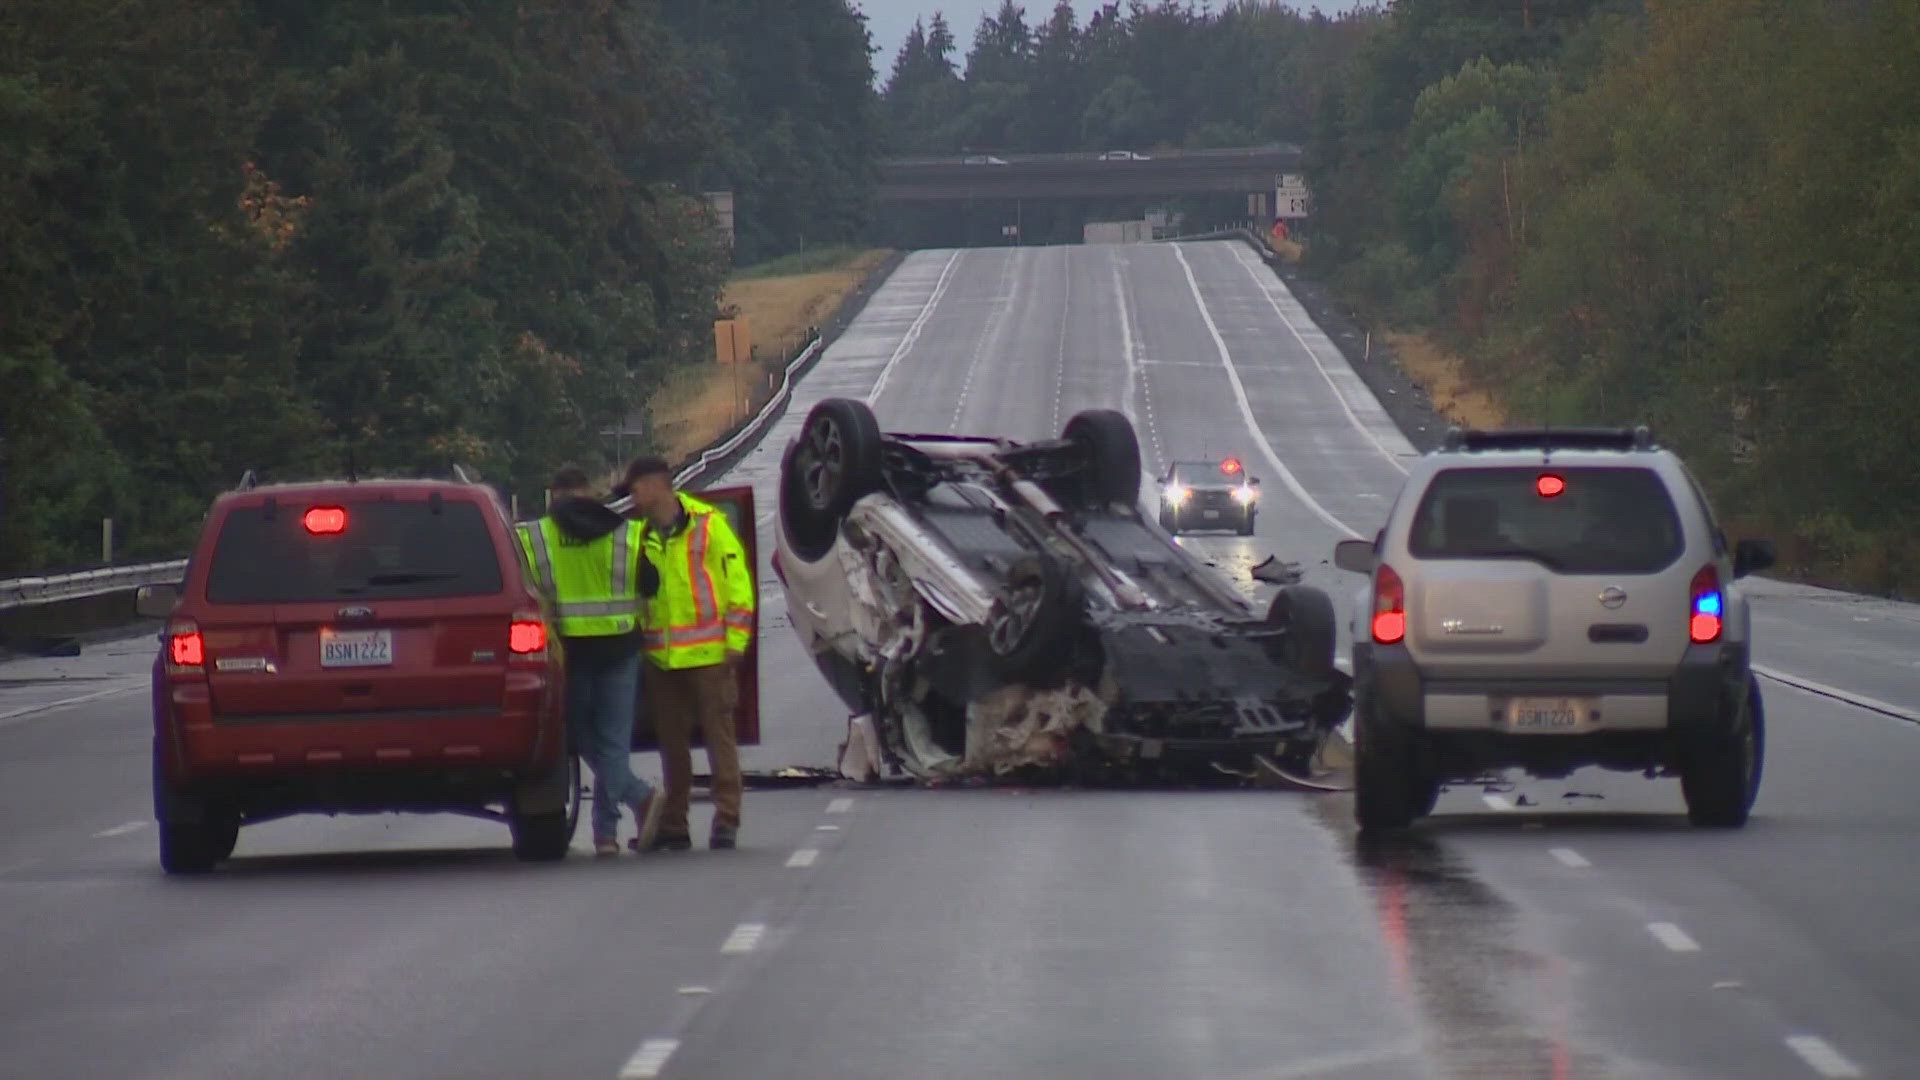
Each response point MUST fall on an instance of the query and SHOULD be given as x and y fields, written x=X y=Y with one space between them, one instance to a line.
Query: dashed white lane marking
x=1246 y=408
x=1672 y=937
x=1822 y=1057
x=646 y=1062
x=826 y=828
x=121 y=830
x=745 y=938
x=1834 y=692
x=1498 y=802
x=913 y=332
x=805 y=857
x=1569 y=857
x=695 y=991
x=17 y=715
x=839 y=806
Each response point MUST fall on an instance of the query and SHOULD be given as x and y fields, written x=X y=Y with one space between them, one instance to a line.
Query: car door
x=737 y=504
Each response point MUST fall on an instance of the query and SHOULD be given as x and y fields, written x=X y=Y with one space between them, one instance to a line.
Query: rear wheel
x=1389 y=788
x=194 y=835
x=834 y=463
x=1029 y=625
x=1721 y=777
x=1113 y=458
x=188 y=847
x=542 y=832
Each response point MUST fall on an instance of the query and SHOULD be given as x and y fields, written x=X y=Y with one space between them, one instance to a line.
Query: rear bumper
x=1693 y=697
x=197 y=745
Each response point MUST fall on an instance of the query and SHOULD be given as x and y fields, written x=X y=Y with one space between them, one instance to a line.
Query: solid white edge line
x=7 y=718
x=646 y=1062
x=1497 y=802
x=1673 y=937
x=745 y=938
x=121 y=830
x=1569 y=857
x=1246 y=407
x=840 y=806
x=1848 y=697
x=1240 y=256
x=912 y=335
x=1820 y=1056
x=803 y=858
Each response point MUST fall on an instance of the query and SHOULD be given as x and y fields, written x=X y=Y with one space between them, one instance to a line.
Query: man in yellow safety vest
x=698 y=627
x=588 y=560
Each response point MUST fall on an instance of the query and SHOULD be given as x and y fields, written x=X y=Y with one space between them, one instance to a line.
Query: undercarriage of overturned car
x=987 y=607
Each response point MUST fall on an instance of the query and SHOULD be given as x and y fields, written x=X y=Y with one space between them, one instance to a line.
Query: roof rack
x=1547 y=440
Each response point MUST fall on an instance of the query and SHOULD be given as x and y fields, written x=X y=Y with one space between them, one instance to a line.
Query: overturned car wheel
x=1308 y=616
x=1113 y=458
x=833 y=464
x=1031 y=629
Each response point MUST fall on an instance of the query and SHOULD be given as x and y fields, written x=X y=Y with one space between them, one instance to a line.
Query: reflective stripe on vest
x=615 y=611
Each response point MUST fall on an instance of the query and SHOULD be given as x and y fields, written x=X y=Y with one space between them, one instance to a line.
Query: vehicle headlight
x=1245 y=495
x=1177 y=494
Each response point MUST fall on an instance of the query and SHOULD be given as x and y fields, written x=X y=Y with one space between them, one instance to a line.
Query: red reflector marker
x=1549 y=485
x=325 y=520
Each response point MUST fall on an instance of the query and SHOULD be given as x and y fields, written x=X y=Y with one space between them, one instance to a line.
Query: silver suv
x=1549 y=600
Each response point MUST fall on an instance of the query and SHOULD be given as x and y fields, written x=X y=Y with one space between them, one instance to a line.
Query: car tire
x=1391 y=788
x=1721 y=776
x=193 y=837
x=1023 y=643
x=1389 y=791
x=544 y=835
x=1312 y=634
x=1113 y=458
x=832 y=465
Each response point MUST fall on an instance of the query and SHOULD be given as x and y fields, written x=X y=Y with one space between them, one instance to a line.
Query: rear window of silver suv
x=1594 y=520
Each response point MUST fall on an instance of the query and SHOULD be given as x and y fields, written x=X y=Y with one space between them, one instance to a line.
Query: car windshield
x=1208 y=473
x=1604 y=521
x=382 y=551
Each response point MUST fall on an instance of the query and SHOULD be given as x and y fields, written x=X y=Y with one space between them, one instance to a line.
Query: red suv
x=356 y=648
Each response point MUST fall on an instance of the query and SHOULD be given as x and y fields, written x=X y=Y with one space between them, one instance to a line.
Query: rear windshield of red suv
x=381 y=551
x=1573 y=521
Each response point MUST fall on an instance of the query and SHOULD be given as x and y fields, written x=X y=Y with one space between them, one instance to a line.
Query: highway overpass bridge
x=981 y=177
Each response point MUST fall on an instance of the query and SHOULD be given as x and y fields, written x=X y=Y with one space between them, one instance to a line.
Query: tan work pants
x=677 y=698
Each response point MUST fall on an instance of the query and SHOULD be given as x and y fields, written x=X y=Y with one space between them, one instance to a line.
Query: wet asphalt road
x=1013 y=933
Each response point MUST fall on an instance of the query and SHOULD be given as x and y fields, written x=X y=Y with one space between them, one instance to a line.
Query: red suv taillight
x=1705 y=606
x=1389 y=607
x=186 y=648
x=527 y=636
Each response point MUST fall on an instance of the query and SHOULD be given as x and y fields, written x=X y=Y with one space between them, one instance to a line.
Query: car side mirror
x=1354 y=556
x=1751 y=557
x=155 y=601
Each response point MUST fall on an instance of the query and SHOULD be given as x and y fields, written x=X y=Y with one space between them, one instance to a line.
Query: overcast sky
x=889 y=20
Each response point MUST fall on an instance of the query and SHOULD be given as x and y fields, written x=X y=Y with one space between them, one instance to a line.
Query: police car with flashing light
x=1548 y=601
x=1201 y=495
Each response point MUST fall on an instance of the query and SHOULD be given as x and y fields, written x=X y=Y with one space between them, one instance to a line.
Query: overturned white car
x=986 y=606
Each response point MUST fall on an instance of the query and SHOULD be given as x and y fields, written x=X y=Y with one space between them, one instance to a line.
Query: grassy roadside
x=780 y=300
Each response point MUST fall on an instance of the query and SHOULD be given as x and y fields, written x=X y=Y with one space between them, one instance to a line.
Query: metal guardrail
x=55 y=588
x=33 y=591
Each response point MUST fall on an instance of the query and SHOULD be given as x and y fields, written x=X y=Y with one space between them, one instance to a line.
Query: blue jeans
x=600 y=704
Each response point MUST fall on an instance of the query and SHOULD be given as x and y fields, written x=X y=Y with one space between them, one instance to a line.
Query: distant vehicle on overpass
x=982 y=159
x=1125 y=155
